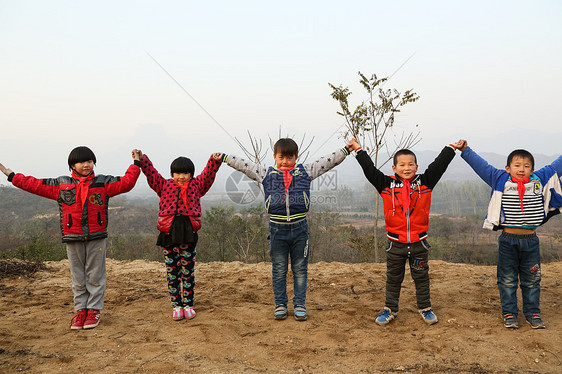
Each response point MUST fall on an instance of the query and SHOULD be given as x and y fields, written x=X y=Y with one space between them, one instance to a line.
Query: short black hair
x=182 y=165
x=522 y=153
x=286 y=146
x=401 y=152
x=80 y=154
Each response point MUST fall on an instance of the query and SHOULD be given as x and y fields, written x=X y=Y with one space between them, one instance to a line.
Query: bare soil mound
x=234 y=331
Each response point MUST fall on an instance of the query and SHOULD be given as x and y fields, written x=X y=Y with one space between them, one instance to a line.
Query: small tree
x=372 y=121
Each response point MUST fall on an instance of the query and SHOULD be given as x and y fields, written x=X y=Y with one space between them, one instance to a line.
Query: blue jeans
x=519 y=259
x=289 y=240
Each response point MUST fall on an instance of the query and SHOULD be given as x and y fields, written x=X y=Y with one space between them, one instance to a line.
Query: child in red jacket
x=406 y=199
x=179 y=218
x=83 y=201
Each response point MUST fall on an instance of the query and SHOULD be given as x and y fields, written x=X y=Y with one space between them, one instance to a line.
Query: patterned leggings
x=180 y=261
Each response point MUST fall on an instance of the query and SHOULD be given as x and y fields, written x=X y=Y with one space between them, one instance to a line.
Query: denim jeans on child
x=519 y=259
x=289 y=240
x=417 y=256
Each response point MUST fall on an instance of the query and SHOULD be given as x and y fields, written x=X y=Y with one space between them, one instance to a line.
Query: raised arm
x=325 y=163
x=487 y=172
x=153 y=177
x=207 y=177
x=5 y=170
x=119 y=185
x=437 y=168
x=373 y=175
x=252 y=170
x=43 y=187
x=557 y=165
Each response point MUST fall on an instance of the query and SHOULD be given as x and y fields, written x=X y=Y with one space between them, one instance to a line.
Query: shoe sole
x=536 y=326
x=280 y=318
x=430 y=321
x=301 y=318
x=384 y=323
x=86 y=327
x=76 y=327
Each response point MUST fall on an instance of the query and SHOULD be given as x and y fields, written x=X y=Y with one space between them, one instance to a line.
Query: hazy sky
x=78 y=73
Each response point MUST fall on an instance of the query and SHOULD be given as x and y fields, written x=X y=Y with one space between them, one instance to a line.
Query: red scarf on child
x=82 y=189
x=521 y=189
x=183 y=194
x=287 y=177
x=406 y=190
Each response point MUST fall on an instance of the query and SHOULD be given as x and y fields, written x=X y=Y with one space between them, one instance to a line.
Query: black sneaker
x=510 y=321
x=535 y=321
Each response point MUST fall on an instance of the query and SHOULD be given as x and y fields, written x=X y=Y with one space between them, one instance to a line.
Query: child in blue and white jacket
x=287 y=200
x=522 y=200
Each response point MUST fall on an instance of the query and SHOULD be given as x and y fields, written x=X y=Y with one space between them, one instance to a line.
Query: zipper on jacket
x=100 y=222
x=408 y=225
x=69 y=224
x=287 y=206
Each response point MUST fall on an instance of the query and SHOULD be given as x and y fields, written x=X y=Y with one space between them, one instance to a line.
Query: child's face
x=181 y=178
x=83 y=169
x=520 y=167
x=406 y=167
x=284 y=161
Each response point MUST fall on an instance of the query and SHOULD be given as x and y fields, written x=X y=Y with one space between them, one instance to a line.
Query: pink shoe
x=92 y=319
x=77 y=322
x=177 y=313
x=188 y=312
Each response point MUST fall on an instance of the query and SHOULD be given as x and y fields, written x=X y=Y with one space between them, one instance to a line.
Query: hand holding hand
x=217 y=156
x=461 y=144
x=5 y=170
x=137 y=154
x=353 y=144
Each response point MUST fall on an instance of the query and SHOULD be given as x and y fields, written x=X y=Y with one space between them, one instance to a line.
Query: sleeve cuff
x=11 y=176
x=137 y=163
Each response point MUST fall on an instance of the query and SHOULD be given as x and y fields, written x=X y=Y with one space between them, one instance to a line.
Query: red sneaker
x=92 y=319
x=77 y=322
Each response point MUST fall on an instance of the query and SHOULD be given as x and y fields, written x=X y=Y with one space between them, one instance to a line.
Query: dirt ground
x=234 y=331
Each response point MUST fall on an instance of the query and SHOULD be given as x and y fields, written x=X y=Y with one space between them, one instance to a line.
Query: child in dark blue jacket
x=287 y=200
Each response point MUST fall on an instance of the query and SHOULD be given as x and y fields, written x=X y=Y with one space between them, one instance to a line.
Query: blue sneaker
x=428 y=316
x=385 y=317
x=300 y=313
x=280 y=312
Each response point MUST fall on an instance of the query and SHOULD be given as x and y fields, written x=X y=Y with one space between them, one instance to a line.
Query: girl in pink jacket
x=179 y=218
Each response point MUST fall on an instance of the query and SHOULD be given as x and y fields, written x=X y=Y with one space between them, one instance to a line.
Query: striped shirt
x=533 y=205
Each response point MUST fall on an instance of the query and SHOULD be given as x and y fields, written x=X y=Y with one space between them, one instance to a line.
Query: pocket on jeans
x=425 y=244
x=389 y=246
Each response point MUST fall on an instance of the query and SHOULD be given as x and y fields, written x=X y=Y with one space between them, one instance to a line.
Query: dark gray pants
x=396 y=256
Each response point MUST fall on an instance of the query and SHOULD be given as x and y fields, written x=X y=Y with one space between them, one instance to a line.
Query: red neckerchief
x=287 y=177
x=82 y=189
x=521 y=188
x=406 y=190
x=183 y=193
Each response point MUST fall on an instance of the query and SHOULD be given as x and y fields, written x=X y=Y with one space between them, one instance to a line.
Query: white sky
x=78 y=73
